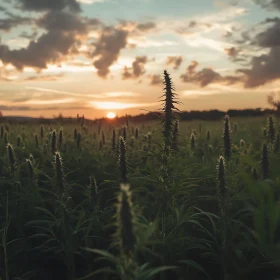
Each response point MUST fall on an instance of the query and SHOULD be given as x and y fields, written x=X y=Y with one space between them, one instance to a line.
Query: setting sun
x=111 y=115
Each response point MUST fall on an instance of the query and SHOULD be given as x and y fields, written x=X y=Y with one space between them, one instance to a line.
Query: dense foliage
x=155 y=200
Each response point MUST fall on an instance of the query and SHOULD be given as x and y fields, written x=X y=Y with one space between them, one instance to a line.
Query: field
x=126 y=201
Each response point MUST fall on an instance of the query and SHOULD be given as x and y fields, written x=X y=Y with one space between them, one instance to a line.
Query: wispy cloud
x=119 y=105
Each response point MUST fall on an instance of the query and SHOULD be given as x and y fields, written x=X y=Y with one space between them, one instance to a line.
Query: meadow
x=154 y=200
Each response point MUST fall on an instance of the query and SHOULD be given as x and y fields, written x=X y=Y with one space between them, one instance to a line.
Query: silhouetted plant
x=122 y=160
x=36 y=141
x=54 y=142
x=136 y=132
x=19 y=141
x=175 y=136
x=124 y=132
x=125 y=221
x=221 y=168
x=60 y=138
x=59 y=170
x=208 y=135
x=271 y=129
x=168 y=108
x=193 y=138
x=11 y=157
x=42 y=132
x=265 y=161
x=226 y=136
x=114 y=140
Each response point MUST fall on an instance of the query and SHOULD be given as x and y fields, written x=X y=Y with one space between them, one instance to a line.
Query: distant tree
x=275 y=103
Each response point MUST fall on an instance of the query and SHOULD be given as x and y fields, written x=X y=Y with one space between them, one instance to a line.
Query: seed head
x=54 y=142
x=125 y=221
x=208 y=135
x=78 y=141
x=123 y=160
x=19 y=141
x=136 y=132
x=265 y=162
x=114 y=140
x=271 y=129
x=124 y=133
x=103 y=138
x=42 y=132
x=193 y=138
x=168 y=108
x=59 y=170
x=175 y=136
x=6 y=137
x=36 y=141
x=2 y=131
x=11 y=156
x=221 y=178
x=30 y=167
x=226 y=136
x=60 y=138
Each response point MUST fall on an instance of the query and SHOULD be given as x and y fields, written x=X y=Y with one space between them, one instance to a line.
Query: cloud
x=206 y=76
x=46 y=5
x=13 y=21
x=155 y=80
x=176 y=61
x=119 y=105
x=270 y=37
x=146 y=26
x=232 y=52
x=50 y=77
x=137 y=69
x=62 y=39
x=264 y=68
x=107 y=49
x=269 y=4
x=62 y=21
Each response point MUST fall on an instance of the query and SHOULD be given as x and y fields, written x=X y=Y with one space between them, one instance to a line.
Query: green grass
x=58 y=224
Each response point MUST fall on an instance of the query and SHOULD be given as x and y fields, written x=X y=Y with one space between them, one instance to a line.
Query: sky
x=92 y=57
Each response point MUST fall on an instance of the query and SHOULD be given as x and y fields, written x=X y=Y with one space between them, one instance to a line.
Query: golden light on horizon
x=111 y=115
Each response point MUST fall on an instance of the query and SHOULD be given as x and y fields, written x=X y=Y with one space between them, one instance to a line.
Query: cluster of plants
x=157 y=200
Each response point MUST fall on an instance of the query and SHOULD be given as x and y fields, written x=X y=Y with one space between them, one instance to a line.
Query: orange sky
x=92 y=57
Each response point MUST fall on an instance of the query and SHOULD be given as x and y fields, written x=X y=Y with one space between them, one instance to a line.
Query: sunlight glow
x=111 y=115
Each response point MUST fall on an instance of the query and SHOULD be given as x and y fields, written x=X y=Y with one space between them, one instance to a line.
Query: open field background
x=51 y=211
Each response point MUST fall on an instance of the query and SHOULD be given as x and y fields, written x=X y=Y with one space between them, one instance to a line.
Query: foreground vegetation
x=162 y=200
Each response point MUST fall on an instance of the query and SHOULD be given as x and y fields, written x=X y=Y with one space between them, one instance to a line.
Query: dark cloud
x=271 y=36
x=175 y=61
x=2 y=9
x=155 y=80
x=62 y=21
x=146 y=26
x=13 y=21
x=47 y=5
x=206 y=76
x=50 y=48
x=137 y=69
x=107 y=48
x=61 y=39
x=269 y=4
x=264 y=68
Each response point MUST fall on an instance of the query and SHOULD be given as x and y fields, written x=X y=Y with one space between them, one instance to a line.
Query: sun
x=111 y=115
